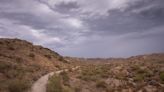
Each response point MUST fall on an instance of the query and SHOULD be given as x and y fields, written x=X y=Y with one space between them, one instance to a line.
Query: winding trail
x=40 y=84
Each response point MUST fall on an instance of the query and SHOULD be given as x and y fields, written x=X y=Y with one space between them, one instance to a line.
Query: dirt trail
x=40 y=84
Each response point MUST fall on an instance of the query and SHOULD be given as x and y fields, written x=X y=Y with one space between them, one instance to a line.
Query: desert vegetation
x=18 y=85
x=59 y=83
x=22 y=63
x=134 y=74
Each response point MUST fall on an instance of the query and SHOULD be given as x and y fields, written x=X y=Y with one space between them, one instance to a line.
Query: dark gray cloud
x=26 y=19
x=86 y=28
x=136 y=18
x=66 y=7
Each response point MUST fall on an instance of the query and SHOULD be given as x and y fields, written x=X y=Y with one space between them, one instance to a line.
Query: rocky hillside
x=143 y=73
x=22 y=63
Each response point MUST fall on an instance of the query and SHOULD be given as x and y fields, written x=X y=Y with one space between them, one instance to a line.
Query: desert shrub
x=120 y=77
x=111 y=89
x=48 y=56
x=101 y=84
x=32 y=55
x=12 y=73
x=142 y=71
x=104 y=75
x=139 y=77
x=4 y=65
x=161 y=75
x=1 y=42
x=58 y=66
x=19 y=59
x=77 y=89
x=68 y=89
x=65 y=78
x=141 y=74
x=88 y=78
x=18 y=86
x=62 y=59
x=36 y=67
x=94 y=72
x=135 y=67
x=160 y=62
x=11 y=48
x=54 y=84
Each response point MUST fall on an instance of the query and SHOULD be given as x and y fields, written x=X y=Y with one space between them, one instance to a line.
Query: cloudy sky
x=87 y=28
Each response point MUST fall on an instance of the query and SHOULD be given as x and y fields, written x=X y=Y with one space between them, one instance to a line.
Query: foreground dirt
x=40 y=85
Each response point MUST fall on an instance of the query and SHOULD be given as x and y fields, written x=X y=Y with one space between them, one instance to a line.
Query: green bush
x=18 y=86
x=54 y=84
x=65 y=78
x=162 y=76
x=139 y=77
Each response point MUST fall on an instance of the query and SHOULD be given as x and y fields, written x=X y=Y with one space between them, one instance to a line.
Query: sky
x=87 y=28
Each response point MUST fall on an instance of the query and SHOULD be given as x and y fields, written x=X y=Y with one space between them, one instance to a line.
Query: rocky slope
x=22 y=63
x=144 y=73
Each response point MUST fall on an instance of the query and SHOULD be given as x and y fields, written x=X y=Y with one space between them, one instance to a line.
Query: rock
x=85 y=90
x=153 y=82
x=125 y=72
x=2 y=76
x=127 y=90
x=131 y=79
x=140 y=91
x=115 y=82
x=150 y=88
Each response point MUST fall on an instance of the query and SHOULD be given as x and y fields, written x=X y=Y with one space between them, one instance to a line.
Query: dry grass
x=18 y=86
x=130 y=75
x=22 y=60
x=59 y=83
x=54 y=84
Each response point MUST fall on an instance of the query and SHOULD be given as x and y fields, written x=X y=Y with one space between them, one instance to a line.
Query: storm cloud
x=87 y=28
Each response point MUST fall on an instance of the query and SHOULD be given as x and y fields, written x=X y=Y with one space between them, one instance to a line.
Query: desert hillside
x=22 y=63
x=144 y=73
